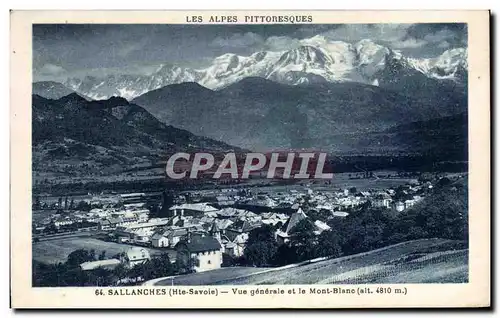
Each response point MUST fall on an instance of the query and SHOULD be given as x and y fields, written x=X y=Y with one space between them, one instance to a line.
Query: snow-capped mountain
x=452 y=64
x=316 y=60
x=130 y=86
x=50 y=89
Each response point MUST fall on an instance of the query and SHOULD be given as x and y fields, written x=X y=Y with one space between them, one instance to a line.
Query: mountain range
x=50 y=89
x=345 y=99
x=74 y=136
x=316 y=60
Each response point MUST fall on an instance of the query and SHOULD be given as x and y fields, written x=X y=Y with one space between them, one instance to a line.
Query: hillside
x=418 y=261
x=260 y=114
x=50 y=89
x=73 y=136
x=441 y=139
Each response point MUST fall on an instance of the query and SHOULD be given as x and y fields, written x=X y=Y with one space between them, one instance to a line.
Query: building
x=128 y=198
x=274 y=219
x=63 y=222
x=287 y=231
x=224 y=200
x=175 y=235
x=411 y=202
x=399 y=206
x=320 y=227
x=382 y=200
x=137 y=255
x=283 y=234
x=192 y=209
x=104 y=225
x=235 y=243
x=106 y=263
x=200 y=252
x=115 y=221
x=340 y=214
x=160 y=239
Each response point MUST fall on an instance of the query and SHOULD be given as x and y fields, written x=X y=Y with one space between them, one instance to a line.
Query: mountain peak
x=317 y=59
x=111 y=102
x=50 y=89
x=304 y=54
x=72 y=98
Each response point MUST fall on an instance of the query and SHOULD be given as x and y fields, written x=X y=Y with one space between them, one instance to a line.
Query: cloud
x=441 y=36
x=238 y=40
x=51 y=70
x=281 y=43
x=408 y=43
x=444 y=45
x=376 y=32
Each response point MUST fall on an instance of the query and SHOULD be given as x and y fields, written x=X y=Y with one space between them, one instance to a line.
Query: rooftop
x=102 y=263
x=201 y=244
x=201 y=207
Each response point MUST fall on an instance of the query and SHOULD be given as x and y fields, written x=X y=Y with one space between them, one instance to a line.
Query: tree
x=264 y=233
x=228 y=260
x=79 y=256
x=136 y=271
x=304 y=239
x=322 y=215
x=329 y=244
x=444 y=181
x=36 y=203
x=261 y=253
x=120 y=271
x=400 y=194
x=73 y=277
x=83 y=206
x=51 y=228
x=162 y=266
x=168 y=200
x=286 y=255
x=156 y=267
x=101 y=277
x=353 y=190
x=261 y=246
x=102 y=255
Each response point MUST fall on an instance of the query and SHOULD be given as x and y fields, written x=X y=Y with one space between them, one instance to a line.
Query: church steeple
x=215 y=231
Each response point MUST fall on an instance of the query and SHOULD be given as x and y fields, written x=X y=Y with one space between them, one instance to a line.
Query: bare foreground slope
x=419 y=261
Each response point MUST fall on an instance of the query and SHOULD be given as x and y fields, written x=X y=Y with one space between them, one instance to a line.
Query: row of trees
x=443 y=214
x=51 y=228
x=61 y=205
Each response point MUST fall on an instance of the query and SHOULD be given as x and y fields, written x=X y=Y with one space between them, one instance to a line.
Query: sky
x=76 y=50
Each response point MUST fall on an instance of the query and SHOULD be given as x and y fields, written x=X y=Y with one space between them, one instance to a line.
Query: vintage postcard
x=239 y=159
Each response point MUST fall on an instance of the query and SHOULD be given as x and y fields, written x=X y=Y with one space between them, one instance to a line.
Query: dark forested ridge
x=256 y=113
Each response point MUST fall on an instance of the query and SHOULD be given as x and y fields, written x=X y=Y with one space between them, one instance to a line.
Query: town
x=205 y=229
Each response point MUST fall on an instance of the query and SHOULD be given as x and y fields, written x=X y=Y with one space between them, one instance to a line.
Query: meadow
x=54 y=251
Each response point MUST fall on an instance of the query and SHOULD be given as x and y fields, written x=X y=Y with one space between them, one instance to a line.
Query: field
x=419 y=261
x=54 y=251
